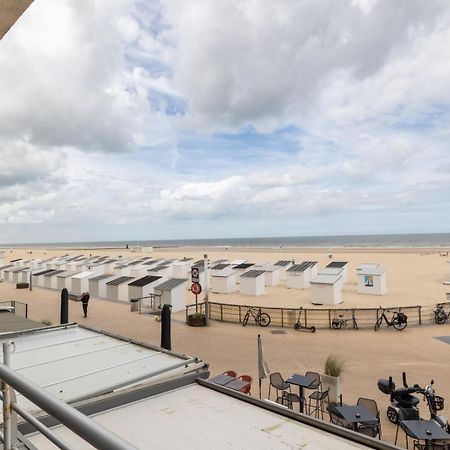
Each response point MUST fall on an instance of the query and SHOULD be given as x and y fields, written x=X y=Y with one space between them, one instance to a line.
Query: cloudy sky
x=140 y=119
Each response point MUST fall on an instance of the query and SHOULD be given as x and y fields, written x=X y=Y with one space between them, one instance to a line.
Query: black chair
x=431 y=446
x=288 y=399
x=320 y=398
x=372 y=429
x=277 y=381
x=336 y=418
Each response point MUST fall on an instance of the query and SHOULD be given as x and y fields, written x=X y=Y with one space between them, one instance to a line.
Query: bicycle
x=338 y=322
x=261 y=319
x=440 y=316
x=399 y=320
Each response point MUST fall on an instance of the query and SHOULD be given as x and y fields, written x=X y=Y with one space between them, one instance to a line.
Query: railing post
x=239 y=307
x=282 y=317
x=329 y=318
x=221 y=312
x=420 y=315
x=306 y=317
x=9 y=435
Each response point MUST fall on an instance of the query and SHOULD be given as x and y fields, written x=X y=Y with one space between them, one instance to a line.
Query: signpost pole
x=206 y=270
x=196 y=303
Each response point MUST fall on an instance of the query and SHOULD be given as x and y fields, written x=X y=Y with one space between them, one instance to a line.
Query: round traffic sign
x=196 y=288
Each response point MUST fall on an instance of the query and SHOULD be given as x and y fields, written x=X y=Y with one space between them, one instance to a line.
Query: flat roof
x=252 y=274
x=10 y=322
x=323 y=278
x=220 y=266
x=302 y=266
x=243 y=265
x=69 y=273
x=337 y=264
x=374 y=271
x=144 y=281
x=43 y=272
x=119 y=280
x=74 y=363
x=101 y=277
x=170 y=284
x=271 y=268
x=221 y=421
x=84 y=274
x=284 y=262
x=331 y=271
x=53 y=273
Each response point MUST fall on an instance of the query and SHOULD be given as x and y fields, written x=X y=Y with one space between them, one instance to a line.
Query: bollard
x=64 y=306
x=165 y=327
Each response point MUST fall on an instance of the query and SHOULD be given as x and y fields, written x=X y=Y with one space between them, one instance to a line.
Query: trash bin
x=134 y=304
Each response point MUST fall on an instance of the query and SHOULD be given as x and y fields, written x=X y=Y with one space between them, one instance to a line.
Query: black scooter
x=404 y=404
x=300 y=327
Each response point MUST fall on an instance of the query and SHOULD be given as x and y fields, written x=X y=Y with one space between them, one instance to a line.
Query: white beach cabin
x=272 y=275
x=333 y=271
x=143 y=287
x=340 y=265
x=326 y=289
x=97 y=284
x=173 y=292
x=50 y=279
x=38 y=277
x=64 y=280
x=241 y=269
x=80 y=282
x=284 y=265
x=253 y=282
x=299 y=275
x=117 y=288
x=371 y=280
x=223 y=281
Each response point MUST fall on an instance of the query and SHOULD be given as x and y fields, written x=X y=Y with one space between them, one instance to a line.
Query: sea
x=369 y=240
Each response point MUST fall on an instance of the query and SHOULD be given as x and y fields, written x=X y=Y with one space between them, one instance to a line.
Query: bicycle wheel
x=336 y=324
x=263 y=320
x=377 y=324
x=245 y=321
x=398 y=325
x=440 y=318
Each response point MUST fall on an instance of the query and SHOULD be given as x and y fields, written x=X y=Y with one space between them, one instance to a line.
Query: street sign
x=195 y=274
x=196 y=288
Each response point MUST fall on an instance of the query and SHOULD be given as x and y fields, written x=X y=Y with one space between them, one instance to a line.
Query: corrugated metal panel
x=244 y=266
x=158 y=268
x=220 y=266
x=55 y=272
x=283 y=262
x=252 y=274
x=44 y=272
x=170 y=284
x=69 y=273
x=119 y=280
x=144 y=281
x=337 y=264
x=101 y=277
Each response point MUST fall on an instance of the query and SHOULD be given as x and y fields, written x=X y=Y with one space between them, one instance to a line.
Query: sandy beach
x=414 y=276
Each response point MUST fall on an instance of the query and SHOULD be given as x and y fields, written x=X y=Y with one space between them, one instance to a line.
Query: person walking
x=85 y=302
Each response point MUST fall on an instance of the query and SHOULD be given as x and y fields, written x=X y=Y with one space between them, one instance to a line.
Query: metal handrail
x=93 y=433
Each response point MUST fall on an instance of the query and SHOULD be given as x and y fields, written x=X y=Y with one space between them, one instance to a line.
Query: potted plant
x=331 y=378
x=196 y=320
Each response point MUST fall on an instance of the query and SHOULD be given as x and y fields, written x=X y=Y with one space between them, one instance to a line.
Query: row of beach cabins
x=121 y=279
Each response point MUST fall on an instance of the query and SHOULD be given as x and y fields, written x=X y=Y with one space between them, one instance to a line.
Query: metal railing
x=90 y=431
x=318 y=317
x=19 y=308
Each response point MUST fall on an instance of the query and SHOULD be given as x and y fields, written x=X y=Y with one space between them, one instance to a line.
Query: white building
x=38 y=277
x=272 y=275
x=117 y=288
x=51 y=280
x=64 y=280
x=223 y=281
x=371 y=280
x=241 y=269
x=253 y=282
x=97 y=282
x=284 y=265
x=340 y=265
x=326 y=289
x=80 y=282
x=299 y=276
x=143 y=286
x=173 y=292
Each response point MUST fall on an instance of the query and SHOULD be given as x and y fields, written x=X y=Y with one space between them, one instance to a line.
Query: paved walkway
x=368 y=355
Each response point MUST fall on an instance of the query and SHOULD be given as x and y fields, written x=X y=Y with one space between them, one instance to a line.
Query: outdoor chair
x=249 y=379
x=316 y=377
x=288 y=399
x=370 y=429
x=319 y=398
x=277 y=381
x=431 y=446
x=230 y=373
x=336 y=418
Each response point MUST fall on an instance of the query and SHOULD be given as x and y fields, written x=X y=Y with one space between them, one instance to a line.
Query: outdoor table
x=424 y=430
x=221 y=380
x=355 y=414
x=302 y=382
x=236 y=385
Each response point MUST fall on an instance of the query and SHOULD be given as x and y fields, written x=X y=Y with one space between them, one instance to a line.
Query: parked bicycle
x=398 y=320
x=338 y=322
x=261 y=319
x=440 y=316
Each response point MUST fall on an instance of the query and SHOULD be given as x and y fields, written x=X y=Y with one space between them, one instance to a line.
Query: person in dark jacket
x=85 y=302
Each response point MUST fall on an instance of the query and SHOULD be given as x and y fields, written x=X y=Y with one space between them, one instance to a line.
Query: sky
x=142 y=119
